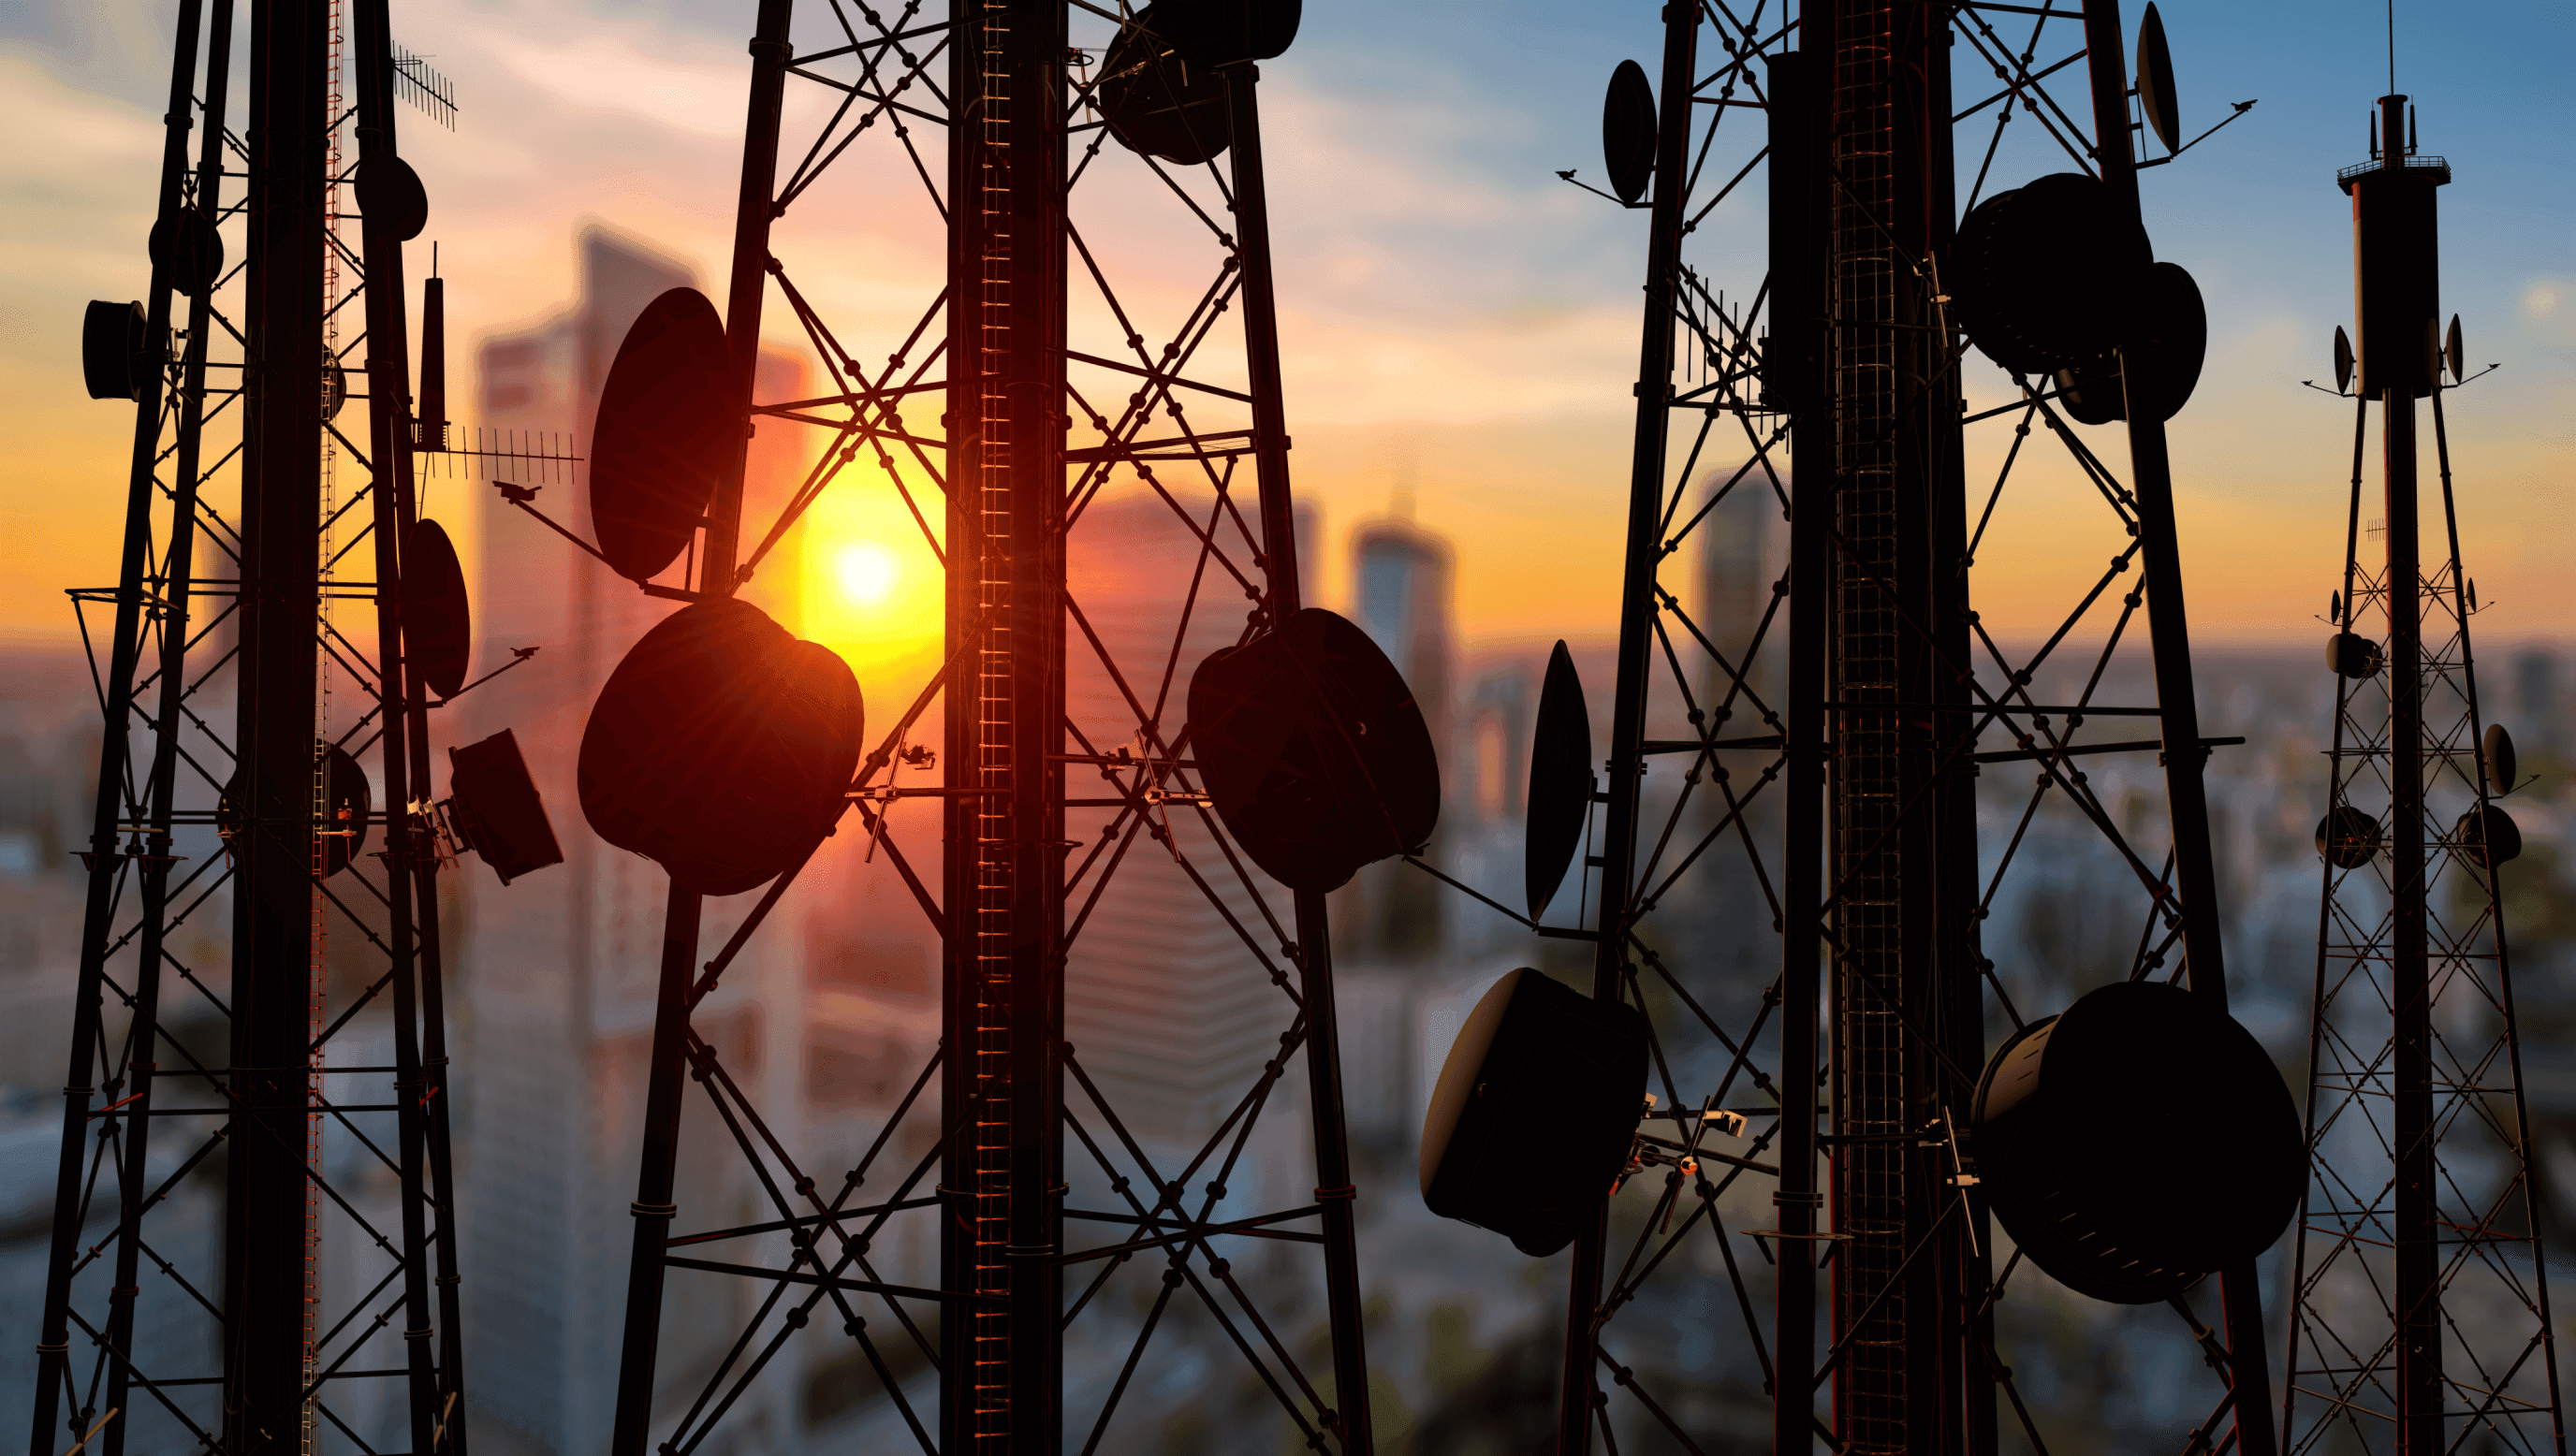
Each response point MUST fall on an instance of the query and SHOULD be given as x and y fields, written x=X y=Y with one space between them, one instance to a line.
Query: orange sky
x=1460 y=328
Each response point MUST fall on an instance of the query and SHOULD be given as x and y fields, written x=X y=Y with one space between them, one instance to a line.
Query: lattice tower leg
x=107 y=863
x=268 y=1219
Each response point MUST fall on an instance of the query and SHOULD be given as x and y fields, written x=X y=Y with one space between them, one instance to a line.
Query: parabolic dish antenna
x=667 y=428
x=2138 y=1142
x=2044 y=277
x=1216 y=33
x=721 y=747
x=2156 y=82
x=1314 y=752
x=2158 y=364
x=1628 y=131
x=437 y=619
x=1156 y=99
x=1560 y=781
x=1535 y=1111
x=389 y=191
x=2348 y=838
x=349 y=799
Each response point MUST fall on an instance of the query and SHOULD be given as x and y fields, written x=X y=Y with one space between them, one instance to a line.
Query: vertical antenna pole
x=389 y=446
x=1796 y=365
x=2195 y=878
x=2418 y=1231
x=2396 y=352
x=654 y=1205
x=1575 y=1402
x=748 y=283
x=267 y=1212
x=1004 y=900
x=1314 y=951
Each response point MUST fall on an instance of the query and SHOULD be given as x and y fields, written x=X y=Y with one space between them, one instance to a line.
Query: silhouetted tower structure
x=1852 y=1079
x=288 y=1340
x=2421 y=1316
x=1036 y=381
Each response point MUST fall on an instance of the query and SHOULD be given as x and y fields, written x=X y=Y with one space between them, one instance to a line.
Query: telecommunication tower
x=1014 y=412
x=2420 y=1320
x=1823 y=760
x=318 y=1309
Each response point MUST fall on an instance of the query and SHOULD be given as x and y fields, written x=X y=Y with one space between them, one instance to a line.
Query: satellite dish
x=2049 y=275
x=1157 y=100
x=668 y=426
x=2137 y=1143
x=1535 y=1112
x=389 y=192
x=721 y=747
x=2334 y=606
x=2348 y=838
x=496 y=809
x=2093 y=391
x=115 y=350
x=2487 y=837
x=1314 y=752
x=2343 y=361
x=2354 y=656
x=187 y=250
x=437 y=618
x=2156 y=82
x=342 y=828
x=1215 y=33
x=1628 y=131
x=1560 y=781
x=2495 y=754
x=2457 y=355
x=2168 y=340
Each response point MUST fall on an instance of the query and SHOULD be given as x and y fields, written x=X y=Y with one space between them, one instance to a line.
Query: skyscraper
x=1402 y=578
x=556 y=972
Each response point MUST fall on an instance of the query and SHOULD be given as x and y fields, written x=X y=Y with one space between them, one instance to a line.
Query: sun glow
x=873 y=588
x=868 y=573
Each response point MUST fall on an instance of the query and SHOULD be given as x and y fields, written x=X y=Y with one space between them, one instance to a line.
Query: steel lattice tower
x=1834 y=737
x=2421 y=1315
x=255 y=1343
x=1059 y=380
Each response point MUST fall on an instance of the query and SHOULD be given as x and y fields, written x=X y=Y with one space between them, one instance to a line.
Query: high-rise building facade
x=556 y=972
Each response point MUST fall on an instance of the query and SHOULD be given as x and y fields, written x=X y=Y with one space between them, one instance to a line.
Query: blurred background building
x=833 y=1011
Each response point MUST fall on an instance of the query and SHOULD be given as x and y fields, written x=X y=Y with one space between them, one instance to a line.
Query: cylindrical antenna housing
x=2396 y=275
x=433 y=364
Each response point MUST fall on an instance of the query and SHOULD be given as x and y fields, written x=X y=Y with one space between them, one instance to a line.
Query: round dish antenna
x=1628 y=131
x=2156 y=82
x=438 y=620
x=2138 y=1142
x=1157 y=100
x=667 y=425
x=1560 y=781
x=721 y=747
x=1535 y=1112
x=2047 y=276
x=1314 y=751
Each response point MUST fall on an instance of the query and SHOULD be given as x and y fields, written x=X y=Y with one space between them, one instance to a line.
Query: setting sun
x=868 y=573
x=873 y=588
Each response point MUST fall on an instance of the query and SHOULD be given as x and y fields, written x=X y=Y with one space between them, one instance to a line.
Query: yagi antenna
x=417 y=83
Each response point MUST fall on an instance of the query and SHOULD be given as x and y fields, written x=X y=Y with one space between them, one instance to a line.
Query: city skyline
x=1454 y=369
